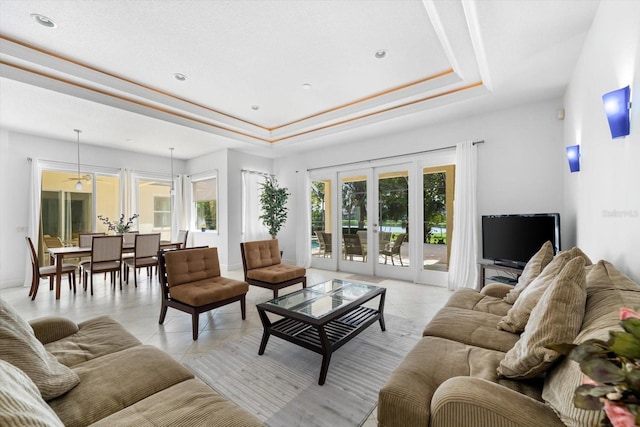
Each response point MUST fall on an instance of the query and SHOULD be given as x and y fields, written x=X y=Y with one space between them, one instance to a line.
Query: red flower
x=618 y=414
x=626 y=313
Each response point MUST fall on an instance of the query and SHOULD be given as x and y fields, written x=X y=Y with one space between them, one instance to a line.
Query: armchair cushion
x=262 y=253
x=276 y=273
x=188 y=266
x=206 y=291
x=21 y=348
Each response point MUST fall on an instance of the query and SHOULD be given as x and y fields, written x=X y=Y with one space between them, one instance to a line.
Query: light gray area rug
x=281 y=386
x=361 y=278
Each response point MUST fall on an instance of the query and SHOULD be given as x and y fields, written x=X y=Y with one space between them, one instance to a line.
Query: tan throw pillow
x=555 y=319
x=22 y=349
x=534 y=267
x=20 y=401
x=576 y=251
x=518 y=315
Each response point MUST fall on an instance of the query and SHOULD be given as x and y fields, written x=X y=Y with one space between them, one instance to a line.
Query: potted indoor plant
x=273 y=201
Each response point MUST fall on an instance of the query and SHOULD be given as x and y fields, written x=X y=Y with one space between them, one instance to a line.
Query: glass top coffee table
x=323 y=317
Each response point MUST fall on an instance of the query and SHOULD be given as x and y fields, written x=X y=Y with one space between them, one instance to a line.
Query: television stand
x=499 y=268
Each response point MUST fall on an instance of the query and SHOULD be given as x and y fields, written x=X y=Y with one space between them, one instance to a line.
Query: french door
x=374 y=219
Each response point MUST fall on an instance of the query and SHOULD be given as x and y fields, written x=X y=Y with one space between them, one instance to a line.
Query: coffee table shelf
x=323 y=318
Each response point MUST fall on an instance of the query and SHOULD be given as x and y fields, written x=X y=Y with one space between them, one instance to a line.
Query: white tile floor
x=138 y=310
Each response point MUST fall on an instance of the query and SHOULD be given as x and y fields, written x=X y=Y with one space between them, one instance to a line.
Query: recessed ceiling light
x=180 y=77
x=381 y=53
x=255 y=107
x=43 y=20
x=306 y=86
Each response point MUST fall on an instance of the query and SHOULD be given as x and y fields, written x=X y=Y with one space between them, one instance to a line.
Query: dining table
x=57 y=255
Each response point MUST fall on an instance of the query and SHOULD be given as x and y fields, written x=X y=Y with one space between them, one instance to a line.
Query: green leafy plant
x=273 y=200
x=612 y=372
x=119 y=226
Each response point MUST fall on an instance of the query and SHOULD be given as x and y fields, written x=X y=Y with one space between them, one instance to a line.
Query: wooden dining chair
x=46 y=271
x=84 y=241
x=106 y=256
x=182 y=238
x=145 y=255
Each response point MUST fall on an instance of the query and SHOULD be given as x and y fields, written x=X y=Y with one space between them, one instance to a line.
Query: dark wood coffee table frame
x=326 y=334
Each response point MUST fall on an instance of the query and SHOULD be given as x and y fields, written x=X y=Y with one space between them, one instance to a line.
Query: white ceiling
x=108 y=68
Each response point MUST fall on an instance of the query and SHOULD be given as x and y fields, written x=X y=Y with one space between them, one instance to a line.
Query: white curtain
x=303 y=226
x=463 y=264
x=252 y=227
x=187 y=203
x=34 y=214
x=176 y=207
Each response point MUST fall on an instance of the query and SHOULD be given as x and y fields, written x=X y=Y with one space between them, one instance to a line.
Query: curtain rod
x=257 y=172
x=393 y=157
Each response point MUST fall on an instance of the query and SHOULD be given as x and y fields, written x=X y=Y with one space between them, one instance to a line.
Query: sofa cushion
x=191 y=265
x=470 y=299
x=189 y=403
x=20 y=401
x=262 y=253
x=534 y=267
x=21 y=348
x=518 y=315
x=276 y=273
x=206 y=291
x=555 y=319
x=96 y=337
x=114 y=381
x=607 y=290
x=470 y=327
x=406 y=397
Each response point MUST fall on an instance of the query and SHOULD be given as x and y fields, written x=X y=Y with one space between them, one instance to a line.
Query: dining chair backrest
x=182 y=238
x=147 y=245
x=129 y=238
x=106 y=248
x=33 y=254
x=85 y=239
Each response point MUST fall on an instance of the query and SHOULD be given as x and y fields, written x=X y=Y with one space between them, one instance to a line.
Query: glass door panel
x=354 y=224
x=438 y=187
x=321 y=219
x=393 y=218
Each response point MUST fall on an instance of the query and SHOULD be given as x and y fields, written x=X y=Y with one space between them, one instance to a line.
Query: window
x=161 y=211
x=153 y=206
x=205 y=203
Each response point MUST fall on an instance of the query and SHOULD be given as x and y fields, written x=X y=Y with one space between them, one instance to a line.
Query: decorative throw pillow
x=22 y=349
x=20 y=400
x=532 y=270
x=518 y=314
x=576 y=251
x=555 y=319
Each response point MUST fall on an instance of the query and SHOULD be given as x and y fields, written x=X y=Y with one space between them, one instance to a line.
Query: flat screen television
x=513 y=239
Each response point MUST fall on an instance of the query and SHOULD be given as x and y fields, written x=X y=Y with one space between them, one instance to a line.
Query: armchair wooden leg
x=243 y=308
x=195 y=317
x=163 y=313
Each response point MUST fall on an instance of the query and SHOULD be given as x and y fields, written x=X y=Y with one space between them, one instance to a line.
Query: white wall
x=520 y=165
x=15 y=183
x=604 y=196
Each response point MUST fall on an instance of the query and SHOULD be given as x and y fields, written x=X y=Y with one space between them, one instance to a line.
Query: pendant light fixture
x=79 y=183
x=172 y=188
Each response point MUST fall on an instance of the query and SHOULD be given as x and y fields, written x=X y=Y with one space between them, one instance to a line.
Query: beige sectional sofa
x=482 y=360
x=55 y=372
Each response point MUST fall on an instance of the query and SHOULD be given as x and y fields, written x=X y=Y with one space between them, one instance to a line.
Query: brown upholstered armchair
x=191 y=282
x=263 y=266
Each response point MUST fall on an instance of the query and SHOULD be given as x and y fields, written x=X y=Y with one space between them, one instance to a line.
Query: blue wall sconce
x=573 y=155
x=616 y=106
